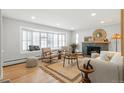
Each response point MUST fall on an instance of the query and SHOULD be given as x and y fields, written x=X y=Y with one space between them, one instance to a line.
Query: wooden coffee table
x=70 y=58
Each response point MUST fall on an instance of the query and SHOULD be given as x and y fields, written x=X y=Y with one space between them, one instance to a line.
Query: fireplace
x=92 y=49
x=98 y=46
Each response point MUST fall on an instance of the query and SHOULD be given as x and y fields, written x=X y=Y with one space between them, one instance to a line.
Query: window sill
x=28 y=52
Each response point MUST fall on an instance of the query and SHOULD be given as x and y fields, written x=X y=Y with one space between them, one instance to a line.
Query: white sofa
x=108 y=67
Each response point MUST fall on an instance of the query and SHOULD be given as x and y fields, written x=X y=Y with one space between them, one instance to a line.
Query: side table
x=86 y=69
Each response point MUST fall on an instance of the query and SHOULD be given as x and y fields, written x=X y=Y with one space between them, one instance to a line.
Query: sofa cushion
x=117 y=59
x=106 y=55
x=105 y=72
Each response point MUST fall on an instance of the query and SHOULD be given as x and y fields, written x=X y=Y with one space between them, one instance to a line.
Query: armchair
x=65 y=50
x=48 y=55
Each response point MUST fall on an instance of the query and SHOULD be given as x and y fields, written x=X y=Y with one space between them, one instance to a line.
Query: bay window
x=36 y=38
x=42 y=39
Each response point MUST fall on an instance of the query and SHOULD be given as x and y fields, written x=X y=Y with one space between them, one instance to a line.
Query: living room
x=27 y=32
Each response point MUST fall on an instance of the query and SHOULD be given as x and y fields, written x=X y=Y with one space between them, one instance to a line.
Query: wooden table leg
x=64 y=62
x=87 y=78
x=68 y=61
x=71 y=61
x=77 y=63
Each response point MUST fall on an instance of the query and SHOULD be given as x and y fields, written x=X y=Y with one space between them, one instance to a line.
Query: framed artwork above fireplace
x=99 y=35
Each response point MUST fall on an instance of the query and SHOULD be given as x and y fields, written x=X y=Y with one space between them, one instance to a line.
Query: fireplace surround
x=94 y=47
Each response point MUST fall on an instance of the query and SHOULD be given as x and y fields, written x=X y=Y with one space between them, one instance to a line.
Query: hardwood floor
x=20 y=74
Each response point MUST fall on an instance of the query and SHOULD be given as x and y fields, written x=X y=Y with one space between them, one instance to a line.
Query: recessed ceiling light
x=72 y=28
x=102 y=22
x=93 y=14
x=58 y=24
x=33 y=17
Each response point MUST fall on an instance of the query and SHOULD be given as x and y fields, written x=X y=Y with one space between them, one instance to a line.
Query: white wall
x=11 y=38
x=1 y=71
x=109 y=29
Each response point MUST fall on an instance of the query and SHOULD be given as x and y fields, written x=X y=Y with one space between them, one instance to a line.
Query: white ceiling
x=66 y=19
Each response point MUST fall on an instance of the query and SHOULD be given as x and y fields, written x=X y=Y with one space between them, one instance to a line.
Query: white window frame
x=77 y=38
x=22 y=28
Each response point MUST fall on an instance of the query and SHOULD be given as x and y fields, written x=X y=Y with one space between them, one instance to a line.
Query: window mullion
x=48 y=39
x=40 y=39
x=58 y=40
x=26 y=40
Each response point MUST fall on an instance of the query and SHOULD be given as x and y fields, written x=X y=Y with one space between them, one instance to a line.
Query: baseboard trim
x=13 y=62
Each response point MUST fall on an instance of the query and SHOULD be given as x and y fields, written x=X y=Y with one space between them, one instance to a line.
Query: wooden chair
x=65 y=50
x=48 y=55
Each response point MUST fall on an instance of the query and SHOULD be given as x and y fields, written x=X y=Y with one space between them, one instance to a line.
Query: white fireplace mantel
x=97 y=42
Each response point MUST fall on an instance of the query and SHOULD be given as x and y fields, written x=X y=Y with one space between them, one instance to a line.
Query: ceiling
x=69 y=19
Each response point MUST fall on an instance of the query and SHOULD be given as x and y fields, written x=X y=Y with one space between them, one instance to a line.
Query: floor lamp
x=116 y=36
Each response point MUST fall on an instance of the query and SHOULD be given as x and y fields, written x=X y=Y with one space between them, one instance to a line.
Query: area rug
x=67 y=74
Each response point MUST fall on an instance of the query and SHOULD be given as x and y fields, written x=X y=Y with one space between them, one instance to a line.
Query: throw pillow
x=109 y=56
x=106 y=55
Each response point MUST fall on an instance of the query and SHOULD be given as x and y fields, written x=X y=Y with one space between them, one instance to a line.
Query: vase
x=73 y=50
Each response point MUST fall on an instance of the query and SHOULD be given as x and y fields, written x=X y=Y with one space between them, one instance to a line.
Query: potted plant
x=73 y=46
